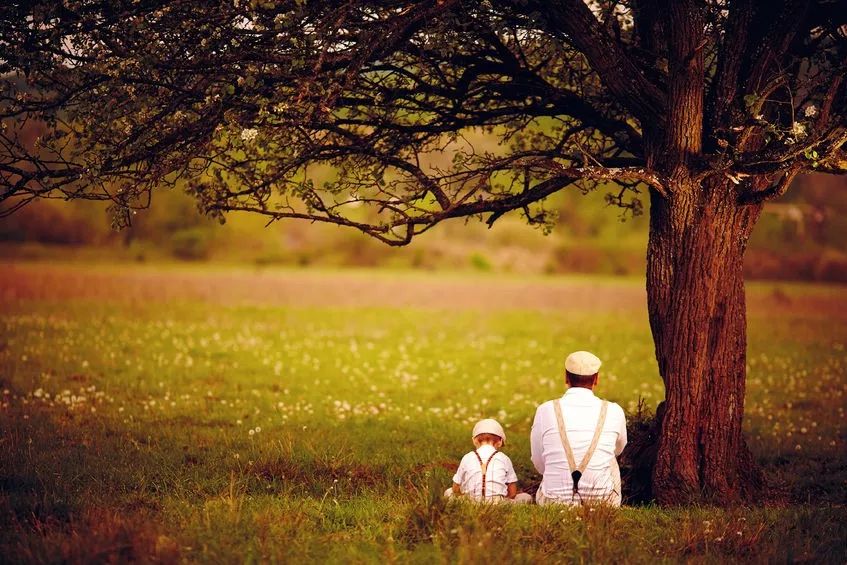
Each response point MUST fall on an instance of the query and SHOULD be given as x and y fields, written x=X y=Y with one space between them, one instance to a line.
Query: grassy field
x=195 y=414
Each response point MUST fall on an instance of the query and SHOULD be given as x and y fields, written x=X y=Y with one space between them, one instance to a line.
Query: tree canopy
x=711 y=106
x=238 y=99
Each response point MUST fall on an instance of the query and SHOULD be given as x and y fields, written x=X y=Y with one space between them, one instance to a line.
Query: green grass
x=203 y=432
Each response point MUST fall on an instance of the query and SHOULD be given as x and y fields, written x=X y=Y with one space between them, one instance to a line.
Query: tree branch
x=730 y=60
x=774 y=191
x=621 y=75
x=407 y=223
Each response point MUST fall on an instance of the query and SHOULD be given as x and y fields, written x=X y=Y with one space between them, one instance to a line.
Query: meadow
x=211 y=414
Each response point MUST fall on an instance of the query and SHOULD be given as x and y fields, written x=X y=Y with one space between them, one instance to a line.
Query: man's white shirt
x=580 y=409
x=499 y=473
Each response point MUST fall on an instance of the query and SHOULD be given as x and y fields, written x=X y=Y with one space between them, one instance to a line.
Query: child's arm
x=459 y=478
x=511 y=479
x=511 y=490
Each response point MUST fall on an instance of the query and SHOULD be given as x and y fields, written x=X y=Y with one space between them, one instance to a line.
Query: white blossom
x=798 y=130
x=249 y=134
x=810 y=111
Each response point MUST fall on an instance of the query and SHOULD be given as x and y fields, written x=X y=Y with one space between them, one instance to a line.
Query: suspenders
x=578 y=470
x=484 y=466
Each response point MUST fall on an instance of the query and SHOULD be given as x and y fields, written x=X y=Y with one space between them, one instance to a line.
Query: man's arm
x=621 y=442
x=536 y=446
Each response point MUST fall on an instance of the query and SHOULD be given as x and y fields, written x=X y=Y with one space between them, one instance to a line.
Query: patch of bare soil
x=33 y=281
x=143 y=284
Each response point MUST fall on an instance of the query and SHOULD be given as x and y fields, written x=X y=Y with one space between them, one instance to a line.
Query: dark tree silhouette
x=710 y=107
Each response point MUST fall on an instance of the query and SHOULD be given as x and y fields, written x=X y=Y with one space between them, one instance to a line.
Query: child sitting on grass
x=486 y=473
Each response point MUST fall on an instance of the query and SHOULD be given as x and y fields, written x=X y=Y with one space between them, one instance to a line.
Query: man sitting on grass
x=575 y=440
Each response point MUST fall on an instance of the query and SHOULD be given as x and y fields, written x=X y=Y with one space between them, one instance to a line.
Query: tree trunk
x=696 y=303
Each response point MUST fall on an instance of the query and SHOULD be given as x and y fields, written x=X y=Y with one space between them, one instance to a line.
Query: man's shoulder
x=615 y=409
x=546 y=406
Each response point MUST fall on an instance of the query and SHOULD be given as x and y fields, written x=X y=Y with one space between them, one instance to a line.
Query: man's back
x=581 y=410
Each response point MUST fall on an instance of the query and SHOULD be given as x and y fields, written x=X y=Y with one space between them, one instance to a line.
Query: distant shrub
x=421 y=257
x=831 y=266
x=827 y=265
x=591 y=258
x=191 y=244
x=834 y=229
x=44 y=222
x=480 y=262
x=357 y=250
x=303 y=259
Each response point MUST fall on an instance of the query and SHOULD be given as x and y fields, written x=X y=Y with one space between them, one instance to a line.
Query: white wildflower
x=810 y=111
x=249 y=134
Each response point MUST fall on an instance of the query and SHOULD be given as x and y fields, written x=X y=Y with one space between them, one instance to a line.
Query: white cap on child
x=489 y=426
x=582 y=363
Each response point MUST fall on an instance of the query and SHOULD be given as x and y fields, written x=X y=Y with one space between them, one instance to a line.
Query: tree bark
x=697 y=313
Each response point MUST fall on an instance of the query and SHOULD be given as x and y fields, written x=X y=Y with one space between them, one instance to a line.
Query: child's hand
x=511 y=490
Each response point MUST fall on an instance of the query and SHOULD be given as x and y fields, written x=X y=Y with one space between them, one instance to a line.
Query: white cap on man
x=489 y=426
x=582 y=363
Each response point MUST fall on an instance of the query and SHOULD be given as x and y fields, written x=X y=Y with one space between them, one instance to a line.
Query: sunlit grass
x=198 y=431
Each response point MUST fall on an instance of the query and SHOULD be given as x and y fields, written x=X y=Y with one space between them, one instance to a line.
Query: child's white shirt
x=499 y=473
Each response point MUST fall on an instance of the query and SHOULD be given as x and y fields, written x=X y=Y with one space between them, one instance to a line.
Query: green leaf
x=750 y=100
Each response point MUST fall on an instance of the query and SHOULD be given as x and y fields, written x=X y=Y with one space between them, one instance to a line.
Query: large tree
x=709 y=107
